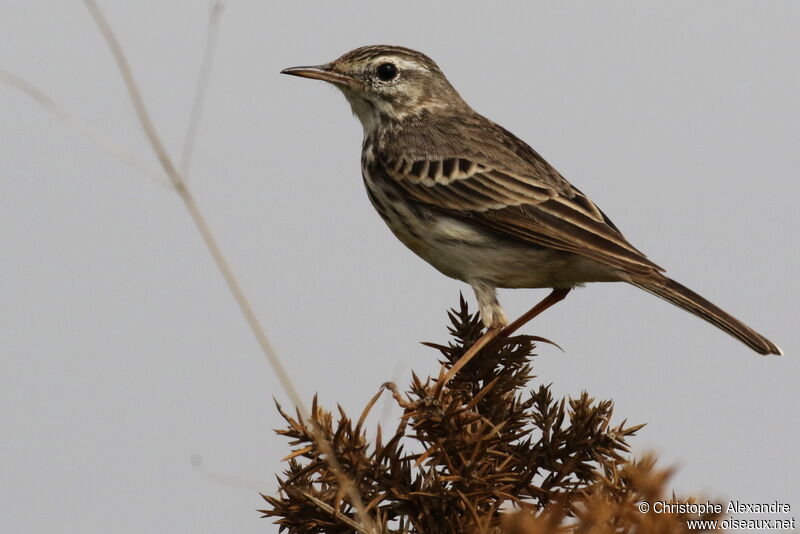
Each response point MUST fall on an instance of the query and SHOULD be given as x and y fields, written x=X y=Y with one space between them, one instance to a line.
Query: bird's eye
x=387 y=71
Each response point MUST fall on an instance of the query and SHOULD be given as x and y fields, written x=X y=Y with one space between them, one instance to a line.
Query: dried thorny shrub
x=495 y=457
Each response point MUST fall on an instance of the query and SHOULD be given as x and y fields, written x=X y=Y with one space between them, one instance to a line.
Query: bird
x=479 y=204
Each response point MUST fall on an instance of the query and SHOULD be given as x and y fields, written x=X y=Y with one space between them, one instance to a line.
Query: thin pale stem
x=101 y=141
x=215 y=12
x=244 y=305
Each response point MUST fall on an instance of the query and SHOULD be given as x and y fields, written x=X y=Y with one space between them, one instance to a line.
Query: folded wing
x=538 y=210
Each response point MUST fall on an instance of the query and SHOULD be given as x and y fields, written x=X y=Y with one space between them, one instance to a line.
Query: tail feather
x=685 y=298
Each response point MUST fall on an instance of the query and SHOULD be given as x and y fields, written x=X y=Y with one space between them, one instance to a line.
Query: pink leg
x=482 y=341
x=557 y=295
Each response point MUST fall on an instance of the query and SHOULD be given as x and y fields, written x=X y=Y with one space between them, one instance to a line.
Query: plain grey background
x=124 y=357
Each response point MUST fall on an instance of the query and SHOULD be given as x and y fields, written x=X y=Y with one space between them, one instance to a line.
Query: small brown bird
x=479 y=204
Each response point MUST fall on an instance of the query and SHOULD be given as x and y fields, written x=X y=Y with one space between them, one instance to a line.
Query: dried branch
x=478 y=454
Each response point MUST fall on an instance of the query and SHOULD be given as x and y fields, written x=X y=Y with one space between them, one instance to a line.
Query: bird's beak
x=320 y=72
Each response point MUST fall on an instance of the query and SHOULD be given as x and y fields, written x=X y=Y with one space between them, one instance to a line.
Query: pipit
x=479 y=204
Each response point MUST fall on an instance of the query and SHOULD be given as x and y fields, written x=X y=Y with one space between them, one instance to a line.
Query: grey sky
x=123 y=355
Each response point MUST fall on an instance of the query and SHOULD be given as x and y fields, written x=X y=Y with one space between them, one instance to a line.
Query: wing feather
x=520 y=206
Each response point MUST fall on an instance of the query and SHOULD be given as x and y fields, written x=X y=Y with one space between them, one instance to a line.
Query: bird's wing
x=539 y=207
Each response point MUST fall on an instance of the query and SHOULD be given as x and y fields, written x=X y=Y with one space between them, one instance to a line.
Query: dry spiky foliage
x=479 y=454
x=611 y=506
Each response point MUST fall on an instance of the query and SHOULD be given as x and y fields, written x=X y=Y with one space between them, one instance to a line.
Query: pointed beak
x=320 y=72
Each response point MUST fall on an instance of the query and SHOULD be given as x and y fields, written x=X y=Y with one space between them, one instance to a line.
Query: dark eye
x=387 y=71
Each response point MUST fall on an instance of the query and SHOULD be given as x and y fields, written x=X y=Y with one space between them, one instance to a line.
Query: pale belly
x=466 y=252
x=461 y=251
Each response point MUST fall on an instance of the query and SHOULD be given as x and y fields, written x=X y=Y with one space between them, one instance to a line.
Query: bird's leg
x=492 y=313
x=556 y=295
x=493 y=318
x=482 y=341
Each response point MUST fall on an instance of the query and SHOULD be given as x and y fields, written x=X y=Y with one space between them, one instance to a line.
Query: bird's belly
x=467 y=252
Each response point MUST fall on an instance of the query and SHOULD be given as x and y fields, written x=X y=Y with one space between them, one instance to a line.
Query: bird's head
x=386 y=83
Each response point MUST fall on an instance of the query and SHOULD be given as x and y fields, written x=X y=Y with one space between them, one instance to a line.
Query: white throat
x=370 y=112
x=367 y=113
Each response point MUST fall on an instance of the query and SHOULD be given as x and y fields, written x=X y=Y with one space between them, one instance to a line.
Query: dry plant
x=479 y=454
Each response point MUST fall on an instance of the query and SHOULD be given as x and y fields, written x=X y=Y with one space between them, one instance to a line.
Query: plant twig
x=101 y=141
x=215 y=12
x=205 y=231
x=325 y=507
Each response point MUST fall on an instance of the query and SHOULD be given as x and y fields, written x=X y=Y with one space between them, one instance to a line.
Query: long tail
x=685 y=298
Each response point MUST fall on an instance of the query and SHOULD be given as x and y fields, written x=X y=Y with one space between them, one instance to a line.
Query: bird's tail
x=685 y=298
